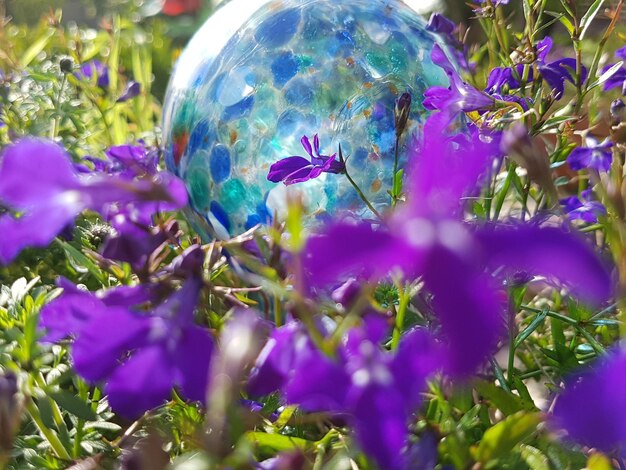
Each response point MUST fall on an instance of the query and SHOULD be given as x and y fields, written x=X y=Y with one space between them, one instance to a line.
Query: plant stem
x=402 y=308
x=361 y=195
x=57 y=120
x=48 y=433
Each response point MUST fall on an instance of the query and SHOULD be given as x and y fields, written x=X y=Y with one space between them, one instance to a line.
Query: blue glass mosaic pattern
x=260 y=74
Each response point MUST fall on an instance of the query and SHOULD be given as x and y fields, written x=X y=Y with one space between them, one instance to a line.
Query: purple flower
x=595 y=155
x=583 y=208
x=459 y=96
x=557 y=72
x=506 y=76
x=427 y=238
x=590 y=407
x=38 y=179
x=441 y=24
x=376 y=391
x=127 y=160
x=297 y=169
x=554 y=73
x=95 y=70
x=131 y=91
x=618 y=79
x=140 y=356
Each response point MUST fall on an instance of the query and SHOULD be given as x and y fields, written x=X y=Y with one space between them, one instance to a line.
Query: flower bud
x=66 y=65
x=618 y=112
x=401 y=113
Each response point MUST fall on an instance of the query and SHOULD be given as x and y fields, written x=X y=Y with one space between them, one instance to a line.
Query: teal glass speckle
x=260 y=74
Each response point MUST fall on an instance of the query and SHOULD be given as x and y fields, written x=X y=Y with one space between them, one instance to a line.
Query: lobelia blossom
x=131 y=91
x=459 y=96
x=595 y=155
x=445 y=27
x=583 y=208
x=374 y=390
x=427 y=238
x=129 y=161
x=510 y=77
x=95 y=70
x=557 y=72
x=296 y=169
x=140 y=354
x=38 y=180
x=618 y=79
x=590 y=409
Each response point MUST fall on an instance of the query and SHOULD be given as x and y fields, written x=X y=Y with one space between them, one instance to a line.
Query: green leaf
x=285 y=416
x=73 y=404
x=565 y=21
x=38 y=46
x=537 y=321
x=80 y=259
x=45 y=411
x=271 y=444
x=598 y=462
x=606 y=75
x=501 y=399
x=588 y=17
x=397 y=183
x=534 y=458
x=103 y=426
x=502 y=438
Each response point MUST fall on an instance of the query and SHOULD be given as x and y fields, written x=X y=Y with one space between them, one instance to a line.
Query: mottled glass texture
x=261 y=74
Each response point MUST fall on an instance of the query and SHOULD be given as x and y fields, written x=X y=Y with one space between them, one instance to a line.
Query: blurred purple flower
x=377 y=391
x=131 y=91
x=445 y=27
x=94 y=70
x=590 y=407
x=459 y=96
x=583 y=208
x=595 y=155
x=427 y=238
x=135 y=241
x=127 y=160
x=38 y=180
x=297 y=169
x=139 y=355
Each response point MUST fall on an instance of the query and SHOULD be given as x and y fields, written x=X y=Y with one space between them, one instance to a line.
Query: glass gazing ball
x=260 y=74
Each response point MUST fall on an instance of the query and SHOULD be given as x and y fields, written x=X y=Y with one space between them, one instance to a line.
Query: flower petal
x=469 y=307
x=143 y=382
x=192 y=357
x=33 y=171
x=102 y=343
x=356 y=249
x=549 y=252
x=591 y=409
x=290 y=170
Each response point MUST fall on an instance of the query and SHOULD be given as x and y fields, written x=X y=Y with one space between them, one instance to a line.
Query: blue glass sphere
x=260 y=74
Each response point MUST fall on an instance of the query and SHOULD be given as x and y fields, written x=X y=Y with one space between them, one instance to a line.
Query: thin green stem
x=56 y=123
x=361 y=195
x=394 y=186
x=403 y=305
x=49 y=434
